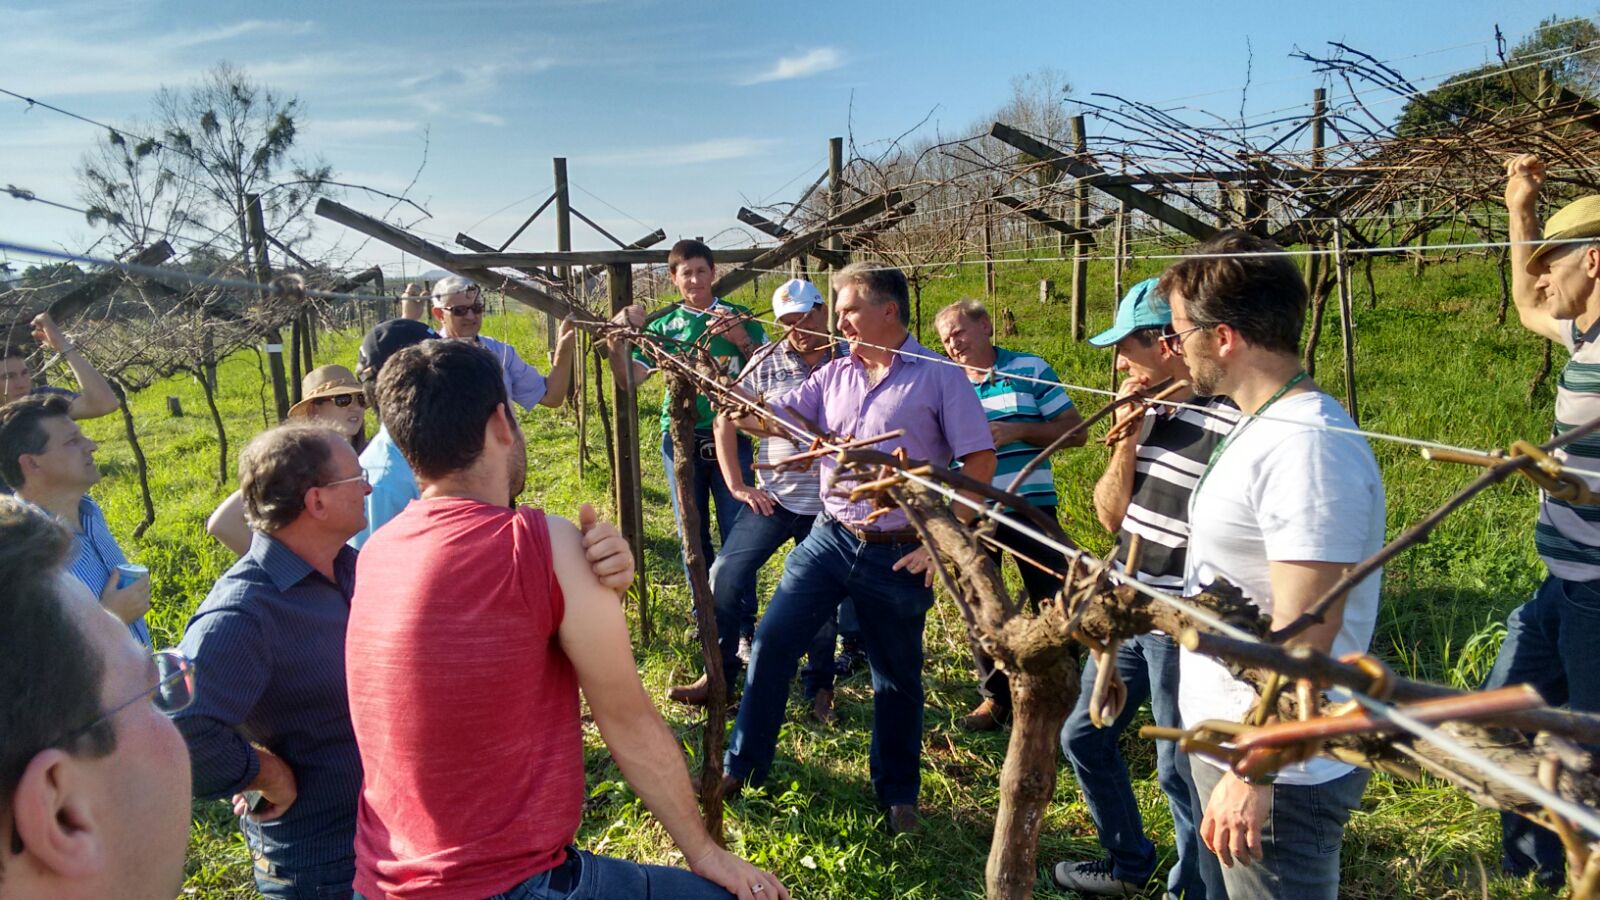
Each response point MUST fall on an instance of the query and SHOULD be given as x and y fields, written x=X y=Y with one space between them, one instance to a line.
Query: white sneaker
x=744 y=649
x=1093 y=877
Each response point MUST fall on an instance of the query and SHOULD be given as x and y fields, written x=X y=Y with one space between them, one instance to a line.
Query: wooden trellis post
x=563 y=239
x=1080 y=220
x=835 y=203
x=626 y=482
x=681 y=408
x=1346 y=324
x=256 y=226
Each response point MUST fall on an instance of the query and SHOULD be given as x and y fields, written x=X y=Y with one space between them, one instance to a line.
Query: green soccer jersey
x=684 y=329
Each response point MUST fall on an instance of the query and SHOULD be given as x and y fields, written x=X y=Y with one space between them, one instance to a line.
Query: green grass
x=1430 y=363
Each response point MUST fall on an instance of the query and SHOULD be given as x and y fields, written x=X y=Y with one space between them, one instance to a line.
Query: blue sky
x=673 y=113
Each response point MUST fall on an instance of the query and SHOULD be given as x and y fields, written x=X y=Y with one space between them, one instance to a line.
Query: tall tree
x=239 y=136
x=137 y=187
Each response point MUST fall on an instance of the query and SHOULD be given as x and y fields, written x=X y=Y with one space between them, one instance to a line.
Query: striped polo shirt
x=1174 y=447
x=778 y=372
x=1568 y=536
x=95 y=555
x=1009 y=399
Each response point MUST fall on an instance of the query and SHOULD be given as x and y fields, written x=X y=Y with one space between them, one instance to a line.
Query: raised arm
x=559 y=381
x=594 y=635
x=95 y=396
x=1524 y=179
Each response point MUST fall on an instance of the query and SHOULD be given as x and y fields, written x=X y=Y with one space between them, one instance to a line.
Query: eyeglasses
x=475 y=309
x=1173 y=340
x=343 y=401
x=351 y=480
x=172 y=692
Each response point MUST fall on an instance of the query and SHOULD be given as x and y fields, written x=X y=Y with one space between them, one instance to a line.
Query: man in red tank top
x=473 y=627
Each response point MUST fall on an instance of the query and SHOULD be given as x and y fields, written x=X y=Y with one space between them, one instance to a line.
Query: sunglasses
x=475 y=309
x=343 y=401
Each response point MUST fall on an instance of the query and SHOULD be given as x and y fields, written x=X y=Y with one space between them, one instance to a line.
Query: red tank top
x=465 y=708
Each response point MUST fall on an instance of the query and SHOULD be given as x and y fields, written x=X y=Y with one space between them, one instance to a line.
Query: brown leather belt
x=875 y=536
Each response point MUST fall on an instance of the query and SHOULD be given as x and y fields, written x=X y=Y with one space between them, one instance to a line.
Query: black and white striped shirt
x=1174 y=447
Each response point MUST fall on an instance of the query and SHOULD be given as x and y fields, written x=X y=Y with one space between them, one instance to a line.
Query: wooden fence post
x=1080 y=219
x=681 y=408
x=256 y=227
x=563 y=239
x=1346 y=325
x=988 y=250
x=1044 y=290
x=835 y=203
x=626 y=481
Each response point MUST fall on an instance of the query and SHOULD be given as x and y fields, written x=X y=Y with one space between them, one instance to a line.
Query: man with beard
x=1282 y=509
x=474 y=625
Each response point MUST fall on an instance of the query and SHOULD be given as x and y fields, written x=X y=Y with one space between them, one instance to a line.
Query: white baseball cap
x=796 y=295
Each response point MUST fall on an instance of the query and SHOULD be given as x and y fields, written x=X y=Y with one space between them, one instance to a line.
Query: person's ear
x=500 y=427
x=1228 y=340
x=436 y=312
x=53 y=812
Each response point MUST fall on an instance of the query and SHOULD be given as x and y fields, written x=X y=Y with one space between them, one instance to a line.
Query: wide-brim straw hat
x=321 y=383
x=1578 y=219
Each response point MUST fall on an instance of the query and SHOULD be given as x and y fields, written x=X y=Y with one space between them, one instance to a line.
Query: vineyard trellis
x=1146 y=185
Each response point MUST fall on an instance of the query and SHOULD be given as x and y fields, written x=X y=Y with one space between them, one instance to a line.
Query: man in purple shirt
x=888 y=381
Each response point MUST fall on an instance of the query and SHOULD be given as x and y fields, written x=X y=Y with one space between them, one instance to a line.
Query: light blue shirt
x=524 y=384
x=96 y=556
x=393 y=484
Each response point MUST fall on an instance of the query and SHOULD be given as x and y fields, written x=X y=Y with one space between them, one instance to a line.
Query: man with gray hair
x=273 y=729
x=1027 y=411
x=458 y=306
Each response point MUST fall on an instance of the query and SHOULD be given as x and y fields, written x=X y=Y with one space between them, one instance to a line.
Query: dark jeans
x=311 y=883
x=992 y=682
x=745 y=550
x=829 y=565
x=1148 y=665
x=708 y=486
x=1300 y=839
x=590 y=877
x=1550 y=642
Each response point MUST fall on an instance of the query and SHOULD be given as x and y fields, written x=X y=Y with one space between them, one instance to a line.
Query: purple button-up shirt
x=934 y=403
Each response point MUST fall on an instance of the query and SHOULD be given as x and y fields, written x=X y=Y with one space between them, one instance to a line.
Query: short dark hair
x=11 y=349
x=881 y=283
x=50 y=672
x=1146 y=337
x=276 y=469
x=22 y=431
x=688 y=249
x=435 y=398
x=1245 y=282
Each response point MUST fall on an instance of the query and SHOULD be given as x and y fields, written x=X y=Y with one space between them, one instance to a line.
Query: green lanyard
x=1227 y=442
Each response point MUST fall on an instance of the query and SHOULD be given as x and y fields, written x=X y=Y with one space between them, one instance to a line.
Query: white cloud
x=356 y=128
x=720 y=150
x=812 y=62
x=281 y=28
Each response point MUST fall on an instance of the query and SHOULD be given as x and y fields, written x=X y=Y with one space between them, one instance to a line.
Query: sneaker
x=744 y=649
x=1093 y=877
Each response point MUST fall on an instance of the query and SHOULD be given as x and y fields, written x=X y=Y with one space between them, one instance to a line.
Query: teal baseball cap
x=1142 y=308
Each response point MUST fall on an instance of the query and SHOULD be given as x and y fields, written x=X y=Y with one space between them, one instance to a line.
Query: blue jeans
x=585 y=876
x=1550 y=644
x=1300 y=839
x=829 y=565
x=1148 y=665
x=733 y=582
x=709 y=486
x=309 y=883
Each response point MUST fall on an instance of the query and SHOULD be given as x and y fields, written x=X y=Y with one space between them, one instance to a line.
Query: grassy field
x=1430 y=362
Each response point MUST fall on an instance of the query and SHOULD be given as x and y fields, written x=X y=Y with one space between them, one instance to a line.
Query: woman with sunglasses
x=332 y=397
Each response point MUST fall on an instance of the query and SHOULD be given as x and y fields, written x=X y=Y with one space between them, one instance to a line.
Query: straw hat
x=320 y=383
x=1578 y=219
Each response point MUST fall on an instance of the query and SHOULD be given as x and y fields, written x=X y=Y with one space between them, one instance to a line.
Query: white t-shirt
x=1286 y=492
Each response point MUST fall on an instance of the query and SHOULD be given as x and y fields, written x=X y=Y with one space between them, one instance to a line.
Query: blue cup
x=128 y=573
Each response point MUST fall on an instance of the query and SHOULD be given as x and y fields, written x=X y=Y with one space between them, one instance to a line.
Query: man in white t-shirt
x=1284 y=507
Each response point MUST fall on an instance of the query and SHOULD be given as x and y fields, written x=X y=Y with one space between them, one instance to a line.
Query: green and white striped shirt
x=1568 y=536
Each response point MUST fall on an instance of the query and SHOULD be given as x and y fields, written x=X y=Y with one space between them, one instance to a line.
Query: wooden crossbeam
x=438 y=256
x=773 y=229
x=803 y=243
x=626 y=257
x=1043 y=218
x=477 y=246
x=79 y=298
x=1070 y=164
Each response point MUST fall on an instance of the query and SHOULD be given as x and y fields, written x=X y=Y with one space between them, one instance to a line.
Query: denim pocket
x=1583 y=595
